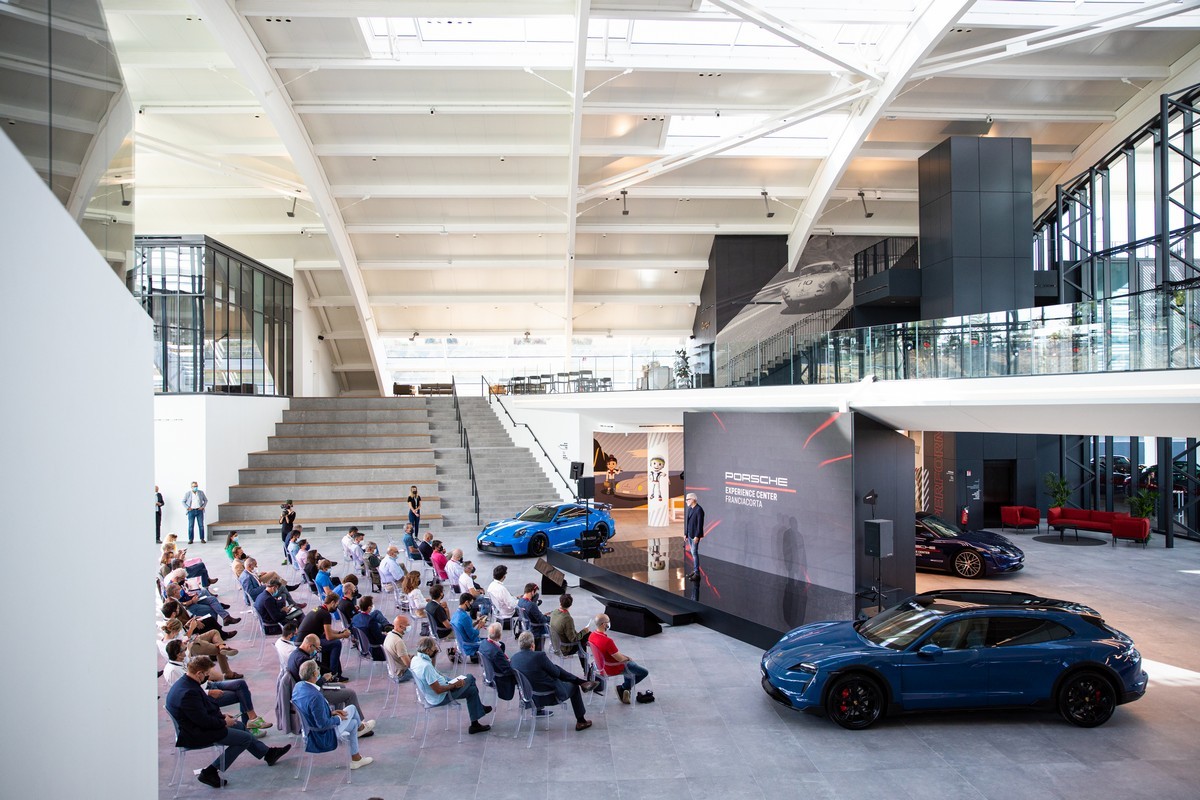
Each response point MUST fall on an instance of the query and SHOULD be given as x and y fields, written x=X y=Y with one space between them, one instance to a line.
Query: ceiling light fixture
x=624 y=203
x=863 y=196
x=291 y=214
x=767 y=202
x=413 y=338
x=124 y=200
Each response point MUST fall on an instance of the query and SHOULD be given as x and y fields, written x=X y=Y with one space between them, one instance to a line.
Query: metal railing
x=887 y=254
x=1153 y=330
x=464 y=441
x=493 y=397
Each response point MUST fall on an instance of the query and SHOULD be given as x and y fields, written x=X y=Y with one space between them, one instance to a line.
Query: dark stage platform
x=753 y=606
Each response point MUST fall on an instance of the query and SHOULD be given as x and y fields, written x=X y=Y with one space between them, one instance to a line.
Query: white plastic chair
x=529 y=704
x=343 y=743
x=430 y=709
x=180 y=754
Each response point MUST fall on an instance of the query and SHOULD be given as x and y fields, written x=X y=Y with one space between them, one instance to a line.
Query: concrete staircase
x=350 y=461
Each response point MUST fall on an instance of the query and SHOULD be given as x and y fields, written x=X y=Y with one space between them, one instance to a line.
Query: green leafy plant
x=1143 y=503
x=1058 y=489
x=683 y=368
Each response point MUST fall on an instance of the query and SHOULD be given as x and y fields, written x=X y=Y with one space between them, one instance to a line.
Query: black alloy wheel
x=855 y=702
x=539 y=544
x=1087 y=699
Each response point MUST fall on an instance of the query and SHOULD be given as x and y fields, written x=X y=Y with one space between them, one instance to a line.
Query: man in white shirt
x=352 y=547
x=194 y=502
x=454 y=567
x=398 y=658
x=503 y=603
x=391 y=571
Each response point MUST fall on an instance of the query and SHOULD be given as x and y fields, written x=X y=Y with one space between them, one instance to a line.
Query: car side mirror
x=930 y=650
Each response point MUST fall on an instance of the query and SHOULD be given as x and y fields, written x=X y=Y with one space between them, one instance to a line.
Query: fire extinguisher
x=962 y=518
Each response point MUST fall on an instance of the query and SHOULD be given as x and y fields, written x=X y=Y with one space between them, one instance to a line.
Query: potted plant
x=1143 y=503
x=683 y=368
x=1058 y=489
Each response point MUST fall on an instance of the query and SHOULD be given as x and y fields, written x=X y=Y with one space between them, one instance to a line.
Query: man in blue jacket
x=539 y=622
x=467 y=629
x=200 y=723
x=324 y=725
x=551 y=683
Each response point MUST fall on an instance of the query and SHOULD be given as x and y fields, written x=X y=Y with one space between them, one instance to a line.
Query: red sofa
x=1118 y=524
x=1020 y=517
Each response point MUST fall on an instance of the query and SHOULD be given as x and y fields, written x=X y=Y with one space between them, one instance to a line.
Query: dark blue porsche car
x=958 y=649
x=546 y=526
x=968 y=554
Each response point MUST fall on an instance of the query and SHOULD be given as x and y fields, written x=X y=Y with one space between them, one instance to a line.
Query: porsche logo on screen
x=753 y=490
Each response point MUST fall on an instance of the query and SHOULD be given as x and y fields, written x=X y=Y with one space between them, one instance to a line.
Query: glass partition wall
x=222 y=321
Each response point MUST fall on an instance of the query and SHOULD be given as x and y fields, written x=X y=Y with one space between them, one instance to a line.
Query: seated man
x=396 y=652
x=286 y=644
x=322 y=579
x=539 y=623
x=492 y=651
x=454 y=567
x=319 y=621
x=611 y=662
x=439 y=617
x=425 y=547
x=551 y=683
x=410 y=544
x=373 y=560
x=325 y=726
x=194 y=567
x=563 y=625
x=466 y=629
x=253 y=580
x=436 y=689
x=338 y=696
x=198 y=603
x=226 y=693
x=369 y=619
x=346 y=606
x=200 y=723
x=271 y=608
x=466 y=580
x=352 y=547
x=391 y=570
x=504 y=604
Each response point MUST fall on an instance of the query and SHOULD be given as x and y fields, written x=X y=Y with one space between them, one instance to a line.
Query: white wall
x=553 y=429
x=76 y=475
x=206 y=438
x=312 y=365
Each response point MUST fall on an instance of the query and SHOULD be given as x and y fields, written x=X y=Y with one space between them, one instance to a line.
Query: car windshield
x=540 y=513
x=819 y=268
x=901 y=625
x=941 y=527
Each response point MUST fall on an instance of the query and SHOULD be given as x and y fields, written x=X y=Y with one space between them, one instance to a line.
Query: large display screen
x=777 y=492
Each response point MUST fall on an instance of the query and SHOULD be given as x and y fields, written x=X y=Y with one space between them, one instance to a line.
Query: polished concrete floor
x=713 y=733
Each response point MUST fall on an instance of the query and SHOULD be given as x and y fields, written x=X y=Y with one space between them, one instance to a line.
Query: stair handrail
x=487 y=390
x=464 y=441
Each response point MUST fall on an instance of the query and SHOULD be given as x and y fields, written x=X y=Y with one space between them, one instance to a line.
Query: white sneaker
x=362 y=762
x=366 y=727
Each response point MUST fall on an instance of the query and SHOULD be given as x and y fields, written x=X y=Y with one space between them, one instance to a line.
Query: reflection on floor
x=713 y=733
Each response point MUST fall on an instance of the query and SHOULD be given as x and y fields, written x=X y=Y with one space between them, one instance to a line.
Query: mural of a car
x=546 y=526
x=816 y=287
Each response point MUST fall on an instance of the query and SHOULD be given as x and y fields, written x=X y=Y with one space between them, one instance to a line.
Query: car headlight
x=520 y=533
x=804 y=666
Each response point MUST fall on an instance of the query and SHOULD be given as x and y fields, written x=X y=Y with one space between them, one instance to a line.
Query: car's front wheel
x=854 y=702
x=538 y=545
x=968 y=564
x=1087 y=699
x=602 y=529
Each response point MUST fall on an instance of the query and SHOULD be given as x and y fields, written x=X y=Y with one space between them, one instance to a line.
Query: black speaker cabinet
x=631 y=618
x=877 y=537
x=586 y=487
x=576 y=470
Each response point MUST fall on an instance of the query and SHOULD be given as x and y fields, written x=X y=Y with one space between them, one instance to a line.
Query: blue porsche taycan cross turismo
x=958 y=649
x=546 y=526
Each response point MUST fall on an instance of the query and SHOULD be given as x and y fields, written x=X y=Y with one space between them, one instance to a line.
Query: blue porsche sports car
x=546 y=526
x=968 y=554
x=957 y=649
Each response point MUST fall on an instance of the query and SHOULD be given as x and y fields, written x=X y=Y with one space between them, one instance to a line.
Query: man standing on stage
x=693 y=529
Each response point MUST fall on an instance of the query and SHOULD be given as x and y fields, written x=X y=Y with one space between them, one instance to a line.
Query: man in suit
x=546 y=676
x=693 y=529
x=539 y=622
x=324 y=725
x=491 y=650
x=158 y=504
x=194 y=502
x=201 y=724
x=271 y=608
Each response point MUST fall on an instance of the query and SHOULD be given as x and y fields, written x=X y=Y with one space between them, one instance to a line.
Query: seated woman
x=198 y=644
x=193 y=566
x=231 y=542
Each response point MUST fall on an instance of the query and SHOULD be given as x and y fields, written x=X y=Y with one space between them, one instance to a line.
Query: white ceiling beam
x=551 y=61
x=578 y=77
x=920 y=38
x=131 y=57
x=343 y=335
x=1024 y=114
x=550 y=264
x=809 y=110
x=785 y=30
x=534 y=331
x=59 y=169
x=114 y=129
x=186 y=108
x=41 y=116
x=1051 y=38
x=363 y=366
x=433 y=107
x=437 y=9
x=501 y=298
x=265 y=179
x=1072 y=71
x=38 y=69
x=432 y=149
x=233 y=31
x=1051 y=14
x=402 y=191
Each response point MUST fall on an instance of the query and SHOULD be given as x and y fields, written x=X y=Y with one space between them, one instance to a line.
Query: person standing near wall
x=287 y=519
x=693 y=529
x=194 y=502
x=158 y=504
x=414 y=510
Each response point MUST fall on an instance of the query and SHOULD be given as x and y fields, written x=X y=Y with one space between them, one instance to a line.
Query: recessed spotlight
x=374 y=158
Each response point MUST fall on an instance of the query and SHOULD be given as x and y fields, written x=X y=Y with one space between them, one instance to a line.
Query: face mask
x=195 y=488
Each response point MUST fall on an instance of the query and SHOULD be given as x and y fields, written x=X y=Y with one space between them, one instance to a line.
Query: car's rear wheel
x=602 y=529
x=854 y=702
x=538 y=545
x=968 y=564
x=1087 y=699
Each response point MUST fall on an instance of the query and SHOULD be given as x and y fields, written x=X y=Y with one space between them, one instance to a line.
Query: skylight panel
x=668 y=32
